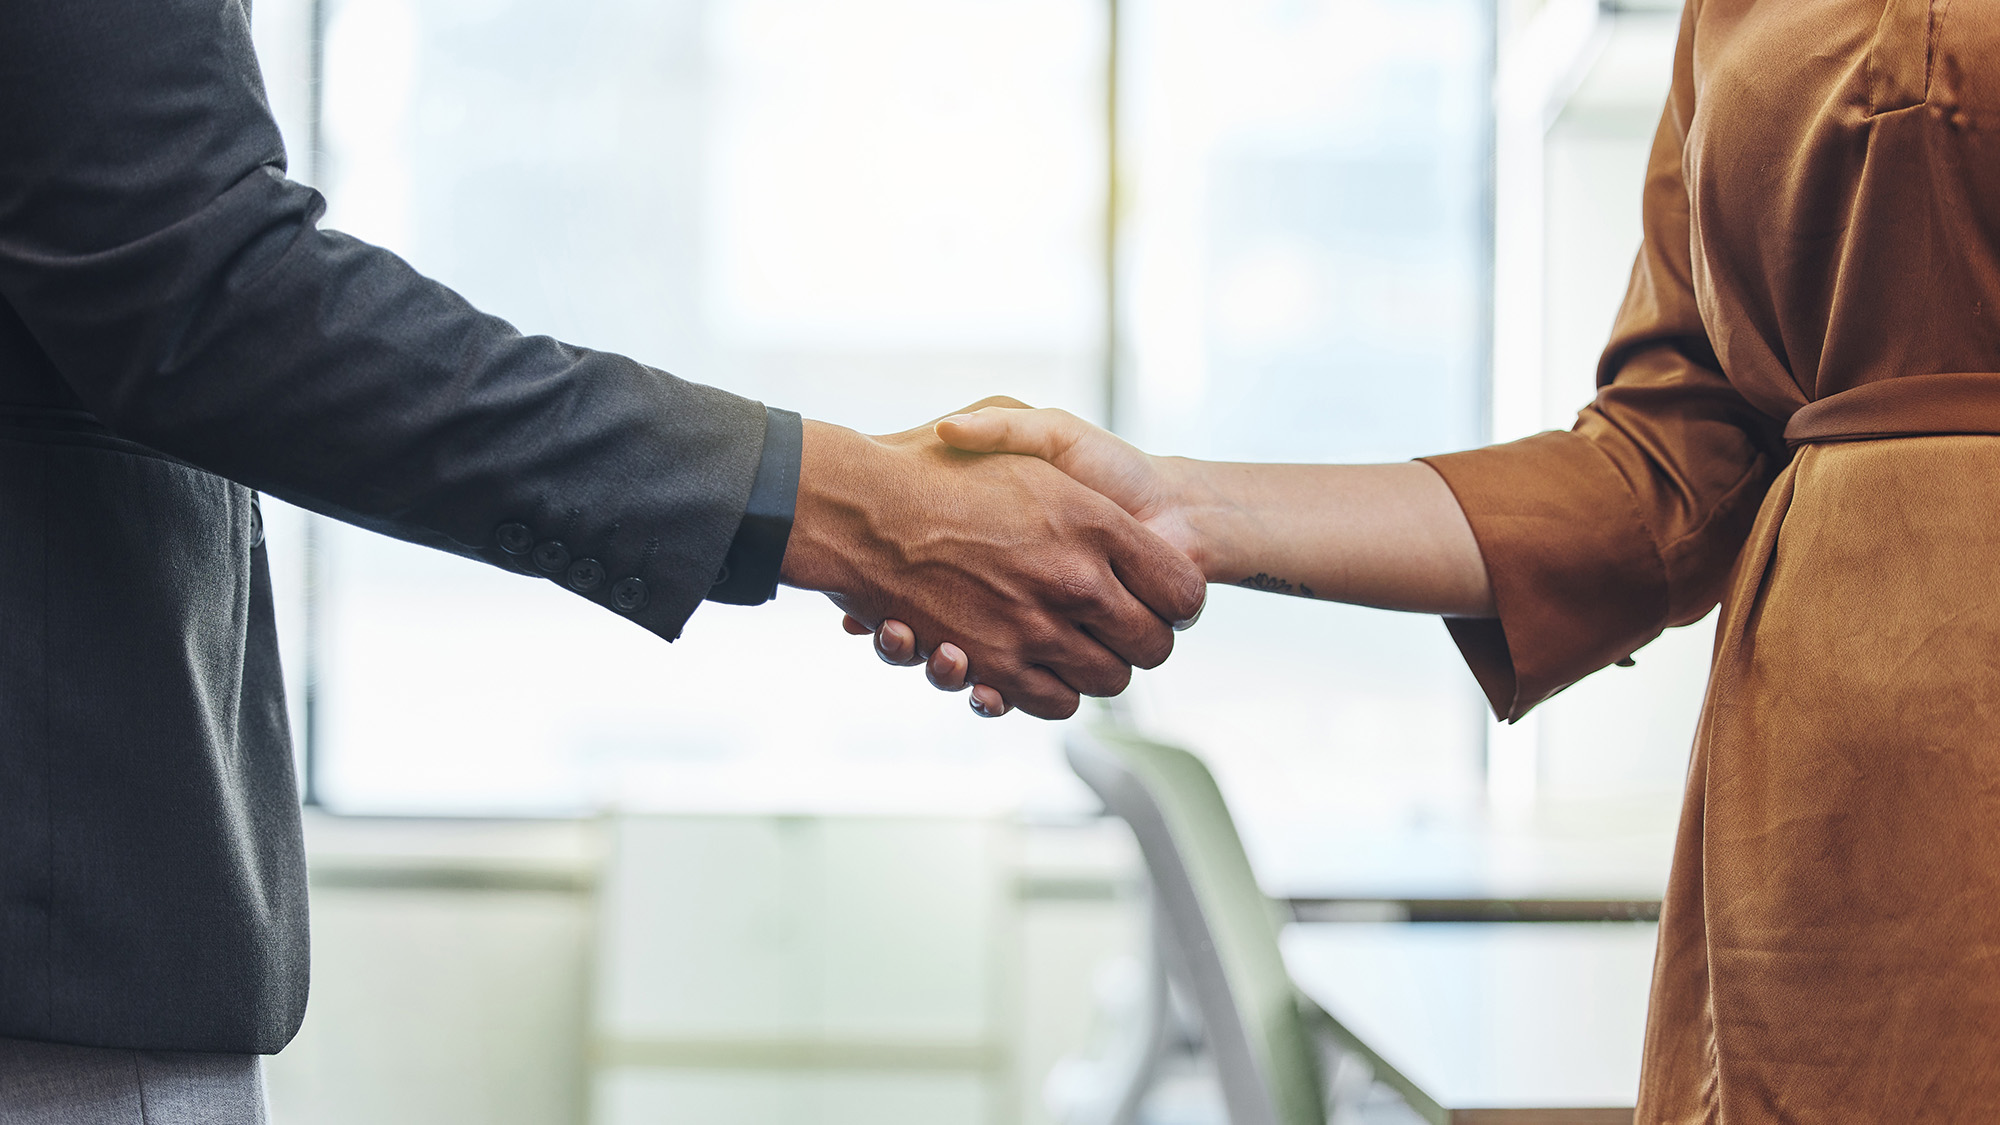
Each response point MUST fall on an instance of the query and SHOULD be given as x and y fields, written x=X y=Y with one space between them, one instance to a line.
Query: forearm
x=163 y=268
x=1388 y=536
x=339 y=379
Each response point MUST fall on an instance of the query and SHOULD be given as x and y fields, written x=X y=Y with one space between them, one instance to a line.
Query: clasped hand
x=1001 y=571
x=1077 y=512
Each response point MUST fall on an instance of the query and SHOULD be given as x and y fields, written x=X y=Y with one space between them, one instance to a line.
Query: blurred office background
x=564 y=872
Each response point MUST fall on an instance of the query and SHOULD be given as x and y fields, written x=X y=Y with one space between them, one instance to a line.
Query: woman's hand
x=1156 y=490
x=947 y=668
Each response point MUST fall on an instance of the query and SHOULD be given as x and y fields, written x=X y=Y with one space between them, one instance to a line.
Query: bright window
x=874 y=212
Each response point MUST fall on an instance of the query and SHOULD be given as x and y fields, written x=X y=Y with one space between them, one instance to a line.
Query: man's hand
x=1146 y=486
x=1045 y=588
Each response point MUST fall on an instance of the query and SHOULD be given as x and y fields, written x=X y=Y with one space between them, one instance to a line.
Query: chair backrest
x=1224 y=931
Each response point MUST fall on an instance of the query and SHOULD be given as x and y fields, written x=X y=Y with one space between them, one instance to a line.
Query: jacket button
x=586 y=575
x=551 y=557
x=629 y=595
x=515 y=538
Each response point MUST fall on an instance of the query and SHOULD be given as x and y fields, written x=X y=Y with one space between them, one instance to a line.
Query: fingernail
x=956 y=418
x=979 y=707
x=1184 y=626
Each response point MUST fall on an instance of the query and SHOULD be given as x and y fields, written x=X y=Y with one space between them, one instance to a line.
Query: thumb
x=1097 y=459
x=1043 y=433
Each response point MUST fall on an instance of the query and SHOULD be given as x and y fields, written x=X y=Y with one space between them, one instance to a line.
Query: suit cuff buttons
x=551 y=557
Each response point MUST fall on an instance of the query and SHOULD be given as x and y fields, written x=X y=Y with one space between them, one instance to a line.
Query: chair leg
x=1140 y=1061
x=1109 y=1086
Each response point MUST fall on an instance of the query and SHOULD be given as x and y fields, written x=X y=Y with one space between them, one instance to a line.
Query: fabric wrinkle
x=1804 y=414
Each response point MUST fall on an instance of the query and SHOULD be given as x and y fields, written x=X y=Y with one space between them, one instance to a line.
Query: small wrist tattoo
x=1262 y=581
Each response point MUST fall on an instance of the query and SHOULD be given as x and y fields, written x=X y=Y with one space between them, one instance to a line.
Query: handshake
x=1052 y=573
x=1038 y=578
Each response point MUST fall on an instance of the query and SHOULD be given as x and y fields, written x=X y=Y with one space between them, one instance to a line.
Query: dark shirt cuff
x=749 y=574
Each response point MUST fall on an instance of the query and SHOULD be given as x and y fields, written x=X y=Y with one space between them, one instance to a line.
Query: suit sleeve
x=179 y=283
x=1599 y=538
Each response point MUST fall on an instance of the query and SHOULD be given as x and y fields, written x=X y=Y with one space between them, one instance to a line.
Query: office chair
x=1215 y=936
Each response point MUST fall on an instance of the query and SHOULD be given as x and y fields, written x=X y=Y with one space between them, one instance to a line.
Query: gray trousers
x=57 y=1084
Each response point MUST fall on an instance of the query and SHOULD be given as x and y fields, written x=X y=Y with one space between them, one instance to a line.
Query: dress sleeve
x=1597 y=539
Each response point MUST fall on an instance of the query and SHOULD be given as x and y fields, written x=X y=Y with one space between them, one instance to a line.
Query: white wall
x=450 y=973
x=757 y=970
x=723 y=970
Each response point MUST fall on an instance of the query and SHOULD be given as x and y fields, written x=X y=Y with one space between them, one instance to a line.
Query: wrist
x=833 y=464
x=1195 y=512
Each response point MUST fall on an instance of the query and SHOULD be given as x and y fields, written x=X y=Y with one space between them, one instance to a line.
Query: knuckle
x=1065 y=430
x=1054 y=706
x=1154 y=645
x=1072 y=586
x=1111 y=680
x=1190 y=592
x=1008 y=677
x=1034 y=692
x=1094 y=672
x=1136 y=634
x=1197 y=585
x=1044 y=639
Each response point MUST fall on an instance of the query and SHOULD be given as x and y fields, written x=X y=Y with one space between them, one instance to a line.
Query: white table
x=1340 y=859
x=1491 y=1023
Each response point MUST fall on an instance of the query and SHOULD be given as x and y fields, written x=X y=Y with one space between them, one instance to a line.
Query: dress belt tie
x=1966 y=402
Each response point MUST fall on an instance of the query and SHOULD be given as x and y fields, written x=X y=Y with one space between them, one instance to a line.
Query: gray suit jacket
x=175 y=331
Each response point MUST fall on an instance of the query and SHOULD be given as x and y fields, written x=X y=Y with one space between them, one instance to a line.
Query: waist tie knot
x=1966 y=402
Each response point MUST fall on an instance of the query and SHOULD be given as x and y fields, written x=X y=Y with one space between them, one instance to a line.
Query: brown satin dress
x=1799 y=416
